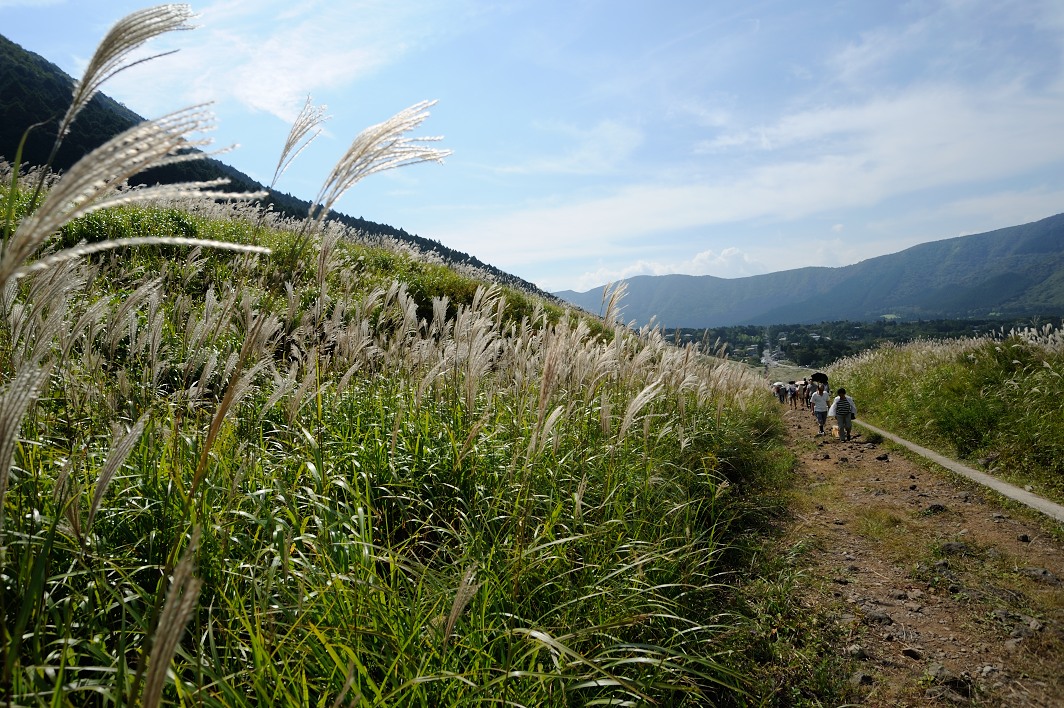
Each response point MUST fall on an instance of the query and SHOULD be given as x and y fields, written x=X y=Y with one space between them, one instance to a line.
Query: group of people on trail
x=817 y=396
x=794 y=393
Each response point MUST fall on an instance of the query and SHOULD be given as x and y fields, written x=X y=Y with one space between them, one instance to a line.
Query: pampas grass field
x=255 y=461
x=996 y=400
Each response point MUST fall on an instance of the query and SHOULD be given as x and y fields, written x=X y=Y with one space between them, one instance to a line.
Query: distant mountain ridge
x=1015 y=271
x=34 y=90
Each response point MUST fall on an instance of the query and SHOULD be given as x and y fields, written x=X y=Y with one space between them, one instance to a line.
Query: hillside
x=1015 y=271
x=357 y=477
x=35 y=91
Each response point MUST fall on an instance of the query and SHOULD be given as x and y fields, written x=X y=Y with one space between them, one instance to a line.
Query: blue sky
x=600 y=139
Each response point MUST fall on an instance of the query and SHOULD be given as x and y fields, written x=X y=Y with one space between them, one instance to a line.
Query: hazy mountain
x=1014 y=271
x=34 y=90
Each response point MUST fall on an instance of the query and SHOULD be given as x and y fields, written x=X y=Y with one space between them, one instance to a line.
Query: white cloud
x=713 y=114
x=270 y=54
x=598 y=150
x=728 y=263
x=1006 y=208
x=923 y=140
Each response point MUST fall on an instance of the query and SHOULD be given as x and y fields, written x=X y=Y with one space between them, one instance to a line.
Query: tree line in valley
x=817 y=345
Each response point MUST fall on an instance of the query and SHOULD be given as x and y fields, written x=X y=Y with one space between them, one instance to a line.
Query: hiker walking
x=844 y=410
x=819 y=400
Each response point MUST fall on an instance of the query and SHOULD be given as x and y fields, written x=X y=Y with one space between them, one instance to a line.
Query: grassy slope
x=388 y=484
x=998 y=400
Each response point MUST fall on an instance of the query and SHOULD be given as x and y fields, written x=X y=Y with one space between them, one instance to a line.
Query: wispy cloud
x=817 y=162
x=598 y=150
x=28 y=3
x=832 y=159
x=269 y=54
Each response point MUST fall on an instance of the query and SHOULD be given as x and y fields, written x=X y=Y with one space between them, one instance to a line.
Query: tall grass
x=432 y=511
x=340 y=475
x=999 y=399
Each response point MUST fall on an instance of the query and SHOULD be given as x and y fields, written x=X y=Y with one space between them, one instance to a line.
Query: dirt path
x=946 y=593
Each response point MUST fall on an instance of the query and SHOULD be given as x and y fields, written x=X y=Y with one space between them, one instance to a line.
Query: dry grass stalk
x=115 y=458
x=637 y=404
x=538 y=440
x=282 y=386
x=376 y=149
x=300 y=395
x=348 y=682
x=180 y=602
x=612 y=295
x=578 y=500
x=65 y=493
x=465 y=592
x=76 y=252
x=476 y=339
x=125 y=319
x=113 y=52
x=42 y=319
x=14 y=402
x=261 y=329
x=605 y=413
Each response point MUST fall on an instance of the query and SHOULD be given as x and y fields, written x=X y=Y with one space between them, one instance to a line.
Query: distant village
x=817 y=345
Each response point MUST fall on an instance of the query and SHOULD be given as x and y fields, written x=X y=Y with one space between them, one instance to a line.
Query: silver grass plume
x=465 y=592
x=612 y=295
x=42 y=317
x=578 y=500
x=538 y=441
x=14 y=402
x=112 y=54
x=376 y=149
x=180 y=602
x=75 y=252
x=308 y=121
x=261 y=328
x=124 y=316
x=637 y=404
x=92 y=182
x=115 y=458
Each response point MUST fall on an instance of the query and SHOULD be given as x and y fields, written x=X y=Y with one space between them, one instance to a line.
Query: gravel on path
x=944 y=596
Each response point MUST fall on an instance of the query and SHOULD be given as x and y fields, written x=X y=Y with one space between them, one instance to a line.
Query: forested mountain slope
x=1013 y=271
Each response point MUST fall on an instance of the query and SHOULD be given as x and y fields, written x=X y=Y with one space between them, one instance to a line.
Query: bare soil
x=945 y=593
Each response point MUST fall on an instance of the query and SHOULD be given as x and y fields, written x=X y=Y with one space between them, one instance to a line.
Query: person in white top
x=820 y=402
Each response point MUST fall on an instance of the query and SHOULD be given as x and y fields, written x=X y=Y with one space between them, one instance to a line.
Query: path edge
x=1050 y=509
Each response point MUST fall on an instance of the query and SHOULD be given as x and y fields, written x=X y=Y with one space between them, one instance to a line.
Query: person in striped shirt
x=844 y=410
